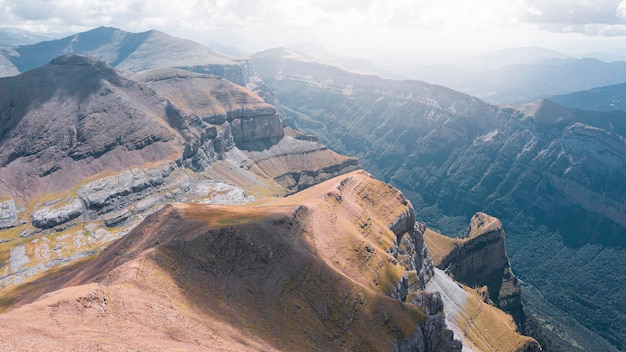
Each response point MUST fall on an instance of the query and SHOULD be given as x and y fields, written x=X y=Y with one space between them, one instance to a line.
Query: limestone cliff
x=478 y=259
x=554 y=176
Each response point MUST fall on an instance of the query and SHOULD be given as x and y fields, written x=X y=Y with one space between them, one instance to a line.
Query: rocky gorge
x=271 y=258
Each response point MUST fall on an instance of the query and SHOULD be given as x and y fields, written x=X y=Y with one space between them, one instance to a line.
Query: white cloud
x=344 y=24
x=578 y=12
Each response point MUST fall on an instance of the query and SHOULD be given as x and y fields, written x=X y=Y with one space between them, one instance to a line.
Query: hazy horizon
x=367 y=29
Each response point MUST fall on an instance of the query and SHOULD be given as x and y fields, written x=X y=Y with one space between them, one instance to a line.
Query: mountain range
x=605 y=98
x=93 y=157
x=98 y=151
x=519 y=75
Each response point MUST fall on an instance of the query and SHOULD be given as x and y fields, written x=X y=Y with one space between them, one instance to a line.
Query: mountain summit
x=120 y=49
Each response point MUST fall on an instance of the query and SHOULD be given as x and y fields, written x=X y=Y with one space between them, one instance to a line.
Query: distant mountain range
x=518 y=75
x=11 y=37
x=124 y=51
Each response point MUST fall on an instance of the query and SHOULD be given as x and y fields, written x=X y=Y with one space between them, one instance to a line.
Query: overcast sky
x=359 y=28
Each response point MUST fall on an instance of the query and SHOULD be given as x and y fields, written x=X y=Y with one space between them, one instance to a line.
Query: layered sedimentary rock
x=9 y=214
x=88 y=152
x=295 y=273
x=478 y=259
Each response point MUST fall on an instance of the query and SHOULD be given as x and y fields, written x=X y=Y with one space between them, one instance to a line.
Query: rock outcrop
x=9 y=214
x=54 y=213
x=479 y=259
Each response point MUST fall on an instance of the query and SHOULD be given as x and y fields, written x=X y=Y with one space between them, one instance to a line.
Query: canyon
x=552 y=174
x=143 y=177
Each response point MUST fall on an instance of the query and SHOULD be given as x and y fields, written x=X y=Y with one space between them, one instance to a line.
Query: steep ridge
x=318 y=270
x=87 y=153
x=553 y=175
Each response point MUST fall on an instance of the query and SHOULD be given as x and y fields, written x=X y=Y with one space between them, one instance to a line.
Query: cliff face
x=479 y=259
x=87 y=153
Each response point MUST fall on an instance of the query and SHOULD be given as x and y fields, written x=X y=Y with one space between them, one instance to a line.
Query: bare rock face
x=101 y=192
x=479 y=259
x=256 y=127
x=47 y=215
x=9 y=213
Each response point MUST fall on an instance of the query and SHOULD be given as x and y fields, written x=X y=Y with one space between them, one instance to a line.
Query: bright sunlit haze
x=372 y=29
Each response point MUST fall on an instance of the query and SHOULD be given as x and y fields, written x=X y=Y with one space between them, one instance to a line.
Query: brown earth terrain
x=309 y=272
x=297 y=273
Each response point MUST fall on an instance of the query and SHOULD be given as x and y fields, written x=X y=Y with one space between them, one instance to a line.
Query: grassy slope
x=278 y=274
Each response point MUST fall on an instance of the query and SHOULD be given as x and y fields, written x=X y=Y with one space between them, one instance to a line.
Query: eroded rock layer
x=88 y=152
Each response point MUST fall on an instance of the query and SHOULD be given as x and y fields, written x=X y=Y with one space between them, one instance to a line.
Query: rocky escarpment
x=410 y=251
x=478 y=259
x=9 y=214
x=123 y=147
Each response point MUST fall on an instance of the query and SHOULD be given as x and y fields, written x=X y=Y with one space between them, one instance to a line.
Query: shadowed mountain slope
x=318 y=270
x=552 y=174
x=605 y=98
x=77 y=112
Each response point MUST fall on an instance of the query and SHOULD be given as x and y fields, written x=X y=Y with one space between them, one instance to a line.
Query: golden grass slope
x=480 y=326
x=308 y=272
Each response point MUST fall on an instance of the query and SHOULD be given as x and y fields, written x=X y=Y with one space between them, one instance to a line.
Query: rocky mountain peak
x=75 y=60
x=481 y=224
x=546 y=112
x=88 y=152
